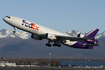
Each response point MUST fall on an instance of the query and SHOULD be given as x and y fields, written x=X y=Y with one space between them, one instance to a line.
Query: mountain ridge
x=17 y=47
x=4 y=33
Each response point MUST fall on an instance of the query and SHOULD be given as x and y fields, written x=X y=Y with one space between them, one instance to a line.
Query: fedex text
x=30 y=25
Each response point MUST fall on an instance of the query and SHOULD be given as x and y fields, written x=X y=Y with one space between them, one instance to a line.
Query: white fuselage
x=34 y=28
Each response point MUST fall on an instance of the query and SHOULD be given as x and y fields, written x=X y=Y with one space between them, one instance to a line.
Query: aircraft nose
x=6 y=18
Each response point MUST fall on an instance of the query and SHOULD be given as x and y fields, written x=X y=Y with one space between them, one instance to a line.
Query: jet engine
x=50 y=36
x=36 y=37
x=80 y=35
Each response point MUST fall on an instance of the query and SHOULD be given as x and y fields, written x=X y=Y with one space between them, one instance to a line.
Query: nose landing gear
x=14 y=30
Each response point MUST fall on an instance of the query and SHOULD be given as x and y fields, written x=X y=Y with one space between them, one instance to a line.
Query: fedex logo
x=32 y=25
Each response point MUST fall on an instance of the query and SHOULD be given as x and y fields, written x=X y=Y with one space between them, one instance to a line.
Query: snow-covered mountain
x=75 y=33
x=98 y=36
x=72 y=33
x=25 y=48
x=4 y=33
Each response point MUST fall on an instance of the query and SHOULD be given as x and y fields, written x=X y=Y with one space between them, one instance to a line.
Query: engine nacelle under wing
x=36 y=37
x=51 y=36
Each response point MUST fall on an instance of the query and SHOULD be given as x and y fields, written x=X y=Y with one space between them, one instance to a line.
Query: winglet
x=92 y=33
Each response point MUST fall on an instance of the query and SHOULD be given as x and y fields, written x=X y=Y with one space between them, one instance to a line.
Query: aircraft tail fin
x=92 y=33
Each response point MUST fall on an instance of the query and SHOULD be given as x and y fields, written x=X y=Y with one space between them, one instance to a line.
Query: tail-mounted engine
x=79 y=35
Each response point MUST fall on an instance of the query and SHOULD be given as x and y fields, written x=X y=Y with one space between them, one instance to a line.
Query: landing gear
x=14 y=30
x=49 y=45
x=57 y=45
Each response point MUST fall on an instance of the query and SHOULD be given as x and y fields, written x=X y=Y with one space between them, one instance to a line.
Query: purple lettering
x=23 y=22
x=30 y=25
x=26 y=24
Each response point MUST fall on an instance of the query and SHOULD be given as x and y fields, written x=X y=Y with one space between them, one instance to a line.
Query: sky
x=60 y=15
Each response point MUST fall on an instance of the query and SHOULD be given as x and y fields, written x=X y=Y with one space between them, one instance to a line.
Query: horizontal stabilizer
x=91 y=45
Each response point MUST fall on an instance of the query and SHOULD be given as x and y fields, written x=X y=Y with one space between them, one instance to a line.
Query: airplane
x=40 y=32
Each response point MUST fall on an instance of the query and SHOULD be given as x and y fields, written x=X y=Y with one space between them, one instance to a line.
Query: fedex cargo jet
x=40 y=32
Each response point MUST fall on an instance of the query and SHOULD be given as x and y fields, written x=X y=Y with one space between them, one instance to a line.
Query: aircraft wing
x=72 y=38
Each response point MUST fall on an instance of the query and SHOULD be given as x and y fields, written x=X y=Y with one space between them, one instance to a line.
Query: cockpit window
x=8 y=16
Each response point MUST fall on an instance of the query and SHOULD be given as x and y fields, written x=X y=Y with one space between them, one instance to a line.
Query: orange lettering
x=35 y=27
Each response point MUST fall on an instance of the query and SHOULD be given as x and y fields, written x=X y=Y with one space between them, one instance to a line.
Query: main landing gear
x=49 y=45
x=57 y=45
x=14 y=30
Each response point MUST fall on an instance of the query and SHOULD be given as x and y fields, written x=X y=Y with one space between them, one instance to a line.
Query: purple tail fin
x=92 y=33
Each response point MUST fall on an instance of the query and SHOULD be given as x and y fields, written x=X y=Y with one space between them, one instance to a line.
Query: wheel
x=59 y=45
x=49 y=45
x=46 y=44
x=54 y=45
x=14 y=31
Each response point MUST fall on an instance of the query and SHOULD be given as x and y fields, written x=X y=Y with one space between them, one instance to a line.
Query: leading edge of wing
x=72 y=38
